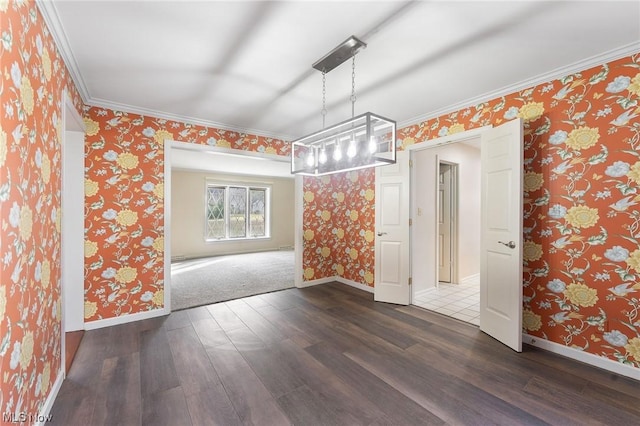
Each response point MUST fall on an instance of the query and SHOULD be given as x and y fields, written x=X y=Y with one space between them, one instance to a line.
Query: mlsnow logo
x=25 y=417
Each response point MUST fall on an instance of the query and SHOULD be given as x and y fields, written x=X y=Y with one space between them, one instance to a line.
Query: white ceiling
x=246 y=65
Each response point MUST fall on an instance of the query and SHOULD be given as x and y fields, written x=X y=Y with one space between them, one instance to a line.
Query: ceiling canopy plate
x=341 y=53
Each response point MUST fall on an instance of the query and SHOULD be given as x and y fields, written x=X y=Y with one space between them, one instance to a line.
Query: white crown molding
x=50 y=14
x=52 y=20
x=582 y=65
x=102 y=103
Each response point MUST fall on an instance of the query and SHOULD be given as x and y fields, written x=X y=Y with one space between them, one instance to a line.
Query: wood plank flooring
x=72 y=342
x=327 y=355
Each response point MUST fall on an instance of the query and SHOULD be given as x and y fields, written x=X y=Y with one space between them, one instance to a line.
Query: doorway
x=500 y=227
x=446 y=200
x=192 y=246
x=72 y=233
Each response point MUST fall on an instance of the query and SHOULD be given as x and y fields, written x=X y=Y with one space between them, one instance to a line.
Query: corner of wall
x=355 y=284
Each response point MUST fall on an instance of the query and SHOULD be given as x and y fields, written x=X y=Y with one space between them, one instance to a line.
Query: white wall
x=468 y=159
x=72 y=223
x=187 y=209
x=424 y=232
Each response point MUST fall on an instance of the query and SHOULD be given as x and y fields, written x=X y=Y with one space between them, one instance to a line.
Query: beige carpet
x=203 y=281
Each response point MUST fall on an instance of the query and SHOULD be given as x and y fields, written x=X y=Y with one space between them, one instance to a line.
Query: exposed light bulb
x=322 y=157
x=351 y=151
x=310 y=159
x=373 y=146
x=337 y=152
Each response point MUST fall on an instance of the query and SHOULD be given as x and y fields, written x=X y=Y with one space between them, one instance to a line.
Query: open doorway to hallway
x=456 y=300
x=446 y=230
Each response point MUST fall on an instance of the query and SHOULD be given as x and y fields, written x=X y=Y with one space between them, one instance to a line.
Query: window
x=236 y=212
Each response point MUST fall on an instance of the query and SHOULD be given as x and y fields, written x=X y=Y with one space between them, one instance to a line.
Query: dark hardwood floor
x=72 y=342
x=327 y=355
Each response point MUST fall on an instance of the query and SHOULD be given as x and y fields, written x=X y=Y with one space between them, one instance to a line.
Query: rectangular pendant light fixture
x=366 y=140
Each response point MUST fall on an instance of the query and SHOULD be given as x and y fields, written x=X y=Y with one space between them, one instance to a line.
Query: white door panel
x=501 y=234
x=391 y=256
x=392 y=266
x=499 y=292
x=498 y=187
x=390 y=194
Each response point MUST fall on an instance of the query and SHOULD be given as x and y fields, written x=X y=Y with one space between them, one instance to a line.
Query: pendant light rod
x=353 y=86
x=340 y=54
x=324 y=98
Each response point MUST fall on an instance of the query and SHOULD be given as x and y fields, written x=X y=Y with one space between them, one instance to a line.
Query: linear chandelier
x=366 y=140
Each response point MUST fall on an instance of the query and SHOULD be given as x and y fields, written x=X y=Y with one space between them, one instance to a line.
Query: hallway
x=460 y=301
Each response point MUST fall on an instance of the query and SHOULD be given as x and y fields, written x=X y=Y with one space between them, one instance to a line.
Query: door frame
x=430 y=144
x=72 y=122
x=454 y=194
x=168 y=146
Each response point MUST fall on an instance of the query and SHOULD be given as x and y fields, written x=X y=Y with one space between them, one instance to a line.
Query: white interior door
x=392 y=265
x=444 y=222
x=501 y=234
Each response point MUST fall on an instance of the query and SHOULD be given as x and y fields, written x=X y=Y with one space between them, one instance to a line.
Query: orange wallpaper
x=124 y=203
x=32 y=80
x=338 y=238
x=582 y=226
x=581 y=196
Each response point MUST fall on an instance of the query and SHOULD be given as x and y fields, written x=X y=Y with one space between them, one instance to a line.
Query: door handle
x=510 y=244
x=380 y=234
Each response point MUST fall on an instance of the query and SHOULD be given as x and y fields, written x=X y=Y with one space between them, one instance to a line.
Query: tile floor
x=461 y=301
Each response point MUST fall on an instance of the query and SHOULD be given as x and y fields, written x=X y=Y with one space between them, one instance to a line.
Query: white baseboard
x=353 y=284
x=475 y=278
x=587 y=358
x=45 y=412
x=125 y=319
x=311 y=283
x=335 y=278
x=183 y=257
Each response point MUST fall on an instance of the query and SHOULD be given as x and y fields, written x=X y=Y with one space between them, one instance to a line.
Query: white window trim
x=248 y=186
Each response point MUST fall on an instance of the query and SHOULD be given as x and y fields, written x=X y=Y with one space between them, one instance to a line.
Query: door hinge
x=410 y=280
x=410 y=222
x=410 y=163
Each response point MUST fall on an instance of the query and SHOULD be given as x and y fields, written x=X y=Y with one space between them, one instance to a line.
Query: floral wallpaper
x=124 y=204
x=32 y=80
x=581 y=205
x=581 y=226
x=338 y=238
